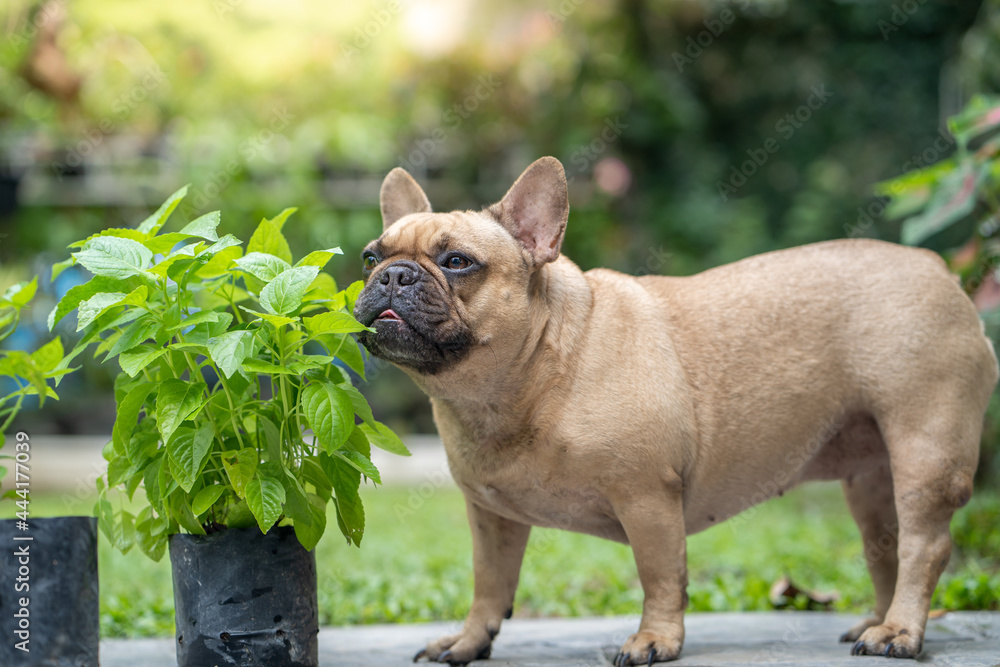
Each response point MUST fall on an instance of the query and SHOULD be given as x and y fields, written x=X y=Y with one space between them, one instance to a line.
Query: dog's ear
x=536 y=208
x=400 y=195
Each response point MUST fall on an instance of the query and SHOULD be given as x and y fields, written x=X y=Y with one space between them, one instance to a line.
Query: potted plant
x=48 y=571
x=236 y=415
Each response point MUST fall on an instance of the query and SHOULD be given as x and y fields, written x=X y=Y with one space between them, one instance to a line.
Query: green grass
x=416 y=565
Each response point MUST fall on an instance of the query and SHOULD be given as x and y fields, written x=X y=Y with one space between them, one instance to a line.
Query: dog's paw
x=889 y=640
x=456 y=649
x=856 y=630
x=645 y=648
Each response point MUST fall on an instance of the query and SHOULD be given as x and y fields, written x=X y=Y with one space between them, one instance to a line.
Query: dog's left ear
x=536 y=208
x=400 y=195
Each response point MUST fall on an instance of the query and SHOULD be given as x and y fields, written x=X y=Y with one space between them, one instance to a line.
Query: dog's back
x=806 y=357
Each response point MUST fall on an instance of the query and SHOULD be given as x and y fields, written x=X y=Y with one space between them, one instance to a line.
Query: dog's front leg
x=653 y=519
x=497 y=551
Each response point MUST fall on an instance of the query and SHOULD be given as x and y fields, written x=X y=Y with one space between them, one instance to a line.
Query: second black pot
x=245 y=598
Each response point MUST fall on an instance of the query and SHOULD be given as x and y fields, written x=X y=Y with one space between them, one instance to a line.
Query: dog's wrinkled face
x=441 y=288
x=425 y=277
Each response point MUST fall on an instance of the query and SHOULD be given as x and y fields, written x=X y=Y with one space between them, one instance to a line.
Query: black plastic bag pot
x=49 y=593
x=244 y=598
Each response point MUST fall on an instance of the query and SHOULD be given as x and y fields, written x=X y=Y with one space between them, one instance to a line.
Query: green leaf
x=204 y=226
x=269 y=239
x=100 y=303
x=19 y=294
x=312 y=472
x=176 y=402
x=309 y=533
x=207 y=497
x=48 y=356
x=361 y=463
x=154 y=546
x=329 y=412
x=276 y=320
x=349 y=351
x=153 y=223
x=106 y=519
x=265 y=496
x=953 y=199
x=119 y=468
x=270 y=437
x=230 y=349
x=262 y=265
x=200 y=317
x=240 y=468
x=220 y=296
x=224 y=250
x=143 y=442
x=116 y=232
x=128 y=415
x=163 y=243
x=136 y=333
x=188 y=450
x=346 y=482
x=59 y=267
x=333 y=323
x=301 y=363
x=284 y=294
x=978 y=118
x=279 y=220
x=96 y=306
x=359 y=403
x=79 y=293
x=319 y=258
x=114 y=257
x=180 y=509
x=177 y=261
x=352 y=292
x=358 y=442
x=133 y=361
x=307 y=514
x=151 y=483
x=382 y=437
x=324 y=288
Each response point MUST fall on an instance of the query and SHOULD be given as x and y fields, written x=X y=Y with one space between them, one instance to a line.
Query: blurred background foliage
x=693 y=132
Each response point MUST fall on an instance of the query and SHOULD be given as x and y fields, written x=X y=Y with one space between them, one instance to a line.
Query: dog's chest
x=538 y=495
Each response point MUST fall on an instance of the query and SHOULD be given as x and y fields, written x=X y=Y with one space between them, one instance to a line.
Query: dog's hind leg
x=870 y=498
x=933 y=453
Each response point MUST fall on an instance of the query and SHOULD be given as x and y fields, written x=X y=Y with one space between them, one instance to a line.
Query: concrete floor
x=781 y=639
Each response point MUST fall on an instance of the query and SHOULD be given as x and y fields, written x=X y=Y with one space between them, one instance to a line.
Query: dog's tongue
x=389 y=315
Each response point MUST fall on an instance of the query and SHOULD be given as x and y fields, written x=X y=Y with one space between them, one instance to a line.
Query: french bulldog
x=643 y=410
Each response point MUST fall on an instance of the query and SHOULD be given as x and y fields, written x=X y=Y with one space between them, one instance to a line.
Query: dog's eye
x=371 y=261
x=456 y=262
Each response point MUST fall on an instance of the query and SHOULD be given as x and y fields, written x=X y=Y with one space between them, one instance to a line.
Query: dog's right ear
x=536 y=208
x=400 y=195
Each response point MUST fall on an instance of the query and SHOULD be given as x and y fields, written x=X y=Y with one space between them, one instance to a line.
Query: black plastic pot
x=243 y=598
x=55 y=572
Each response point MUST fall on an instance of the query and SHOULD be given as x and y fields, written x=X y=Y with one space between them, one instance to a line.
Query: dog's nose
x=403 y=273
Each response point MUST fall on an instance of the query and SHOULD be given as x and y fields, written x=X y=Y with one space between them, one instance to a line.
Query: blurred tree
x=694 y=132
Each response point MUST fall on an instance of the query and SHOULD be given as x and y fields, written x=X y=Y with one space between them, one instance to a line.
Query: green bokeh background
x=660 y=111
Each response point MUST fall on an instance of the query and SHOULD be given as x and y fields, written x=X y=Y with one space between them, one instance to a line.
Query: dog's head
x=443 y=290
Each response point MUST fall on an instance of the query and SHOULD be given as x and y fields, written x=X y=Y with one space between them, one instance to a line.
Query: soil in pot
x=49 y=592
x=244 y=598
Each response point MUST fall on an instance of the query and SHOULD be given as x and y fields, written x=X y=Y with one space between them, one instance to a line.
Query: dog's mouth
x=417 y=333
x=389 y=315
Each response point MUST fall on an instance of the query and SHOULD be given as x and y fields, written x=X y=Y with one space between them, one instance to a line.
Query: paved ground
x=966 y=639
x=780 y=639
